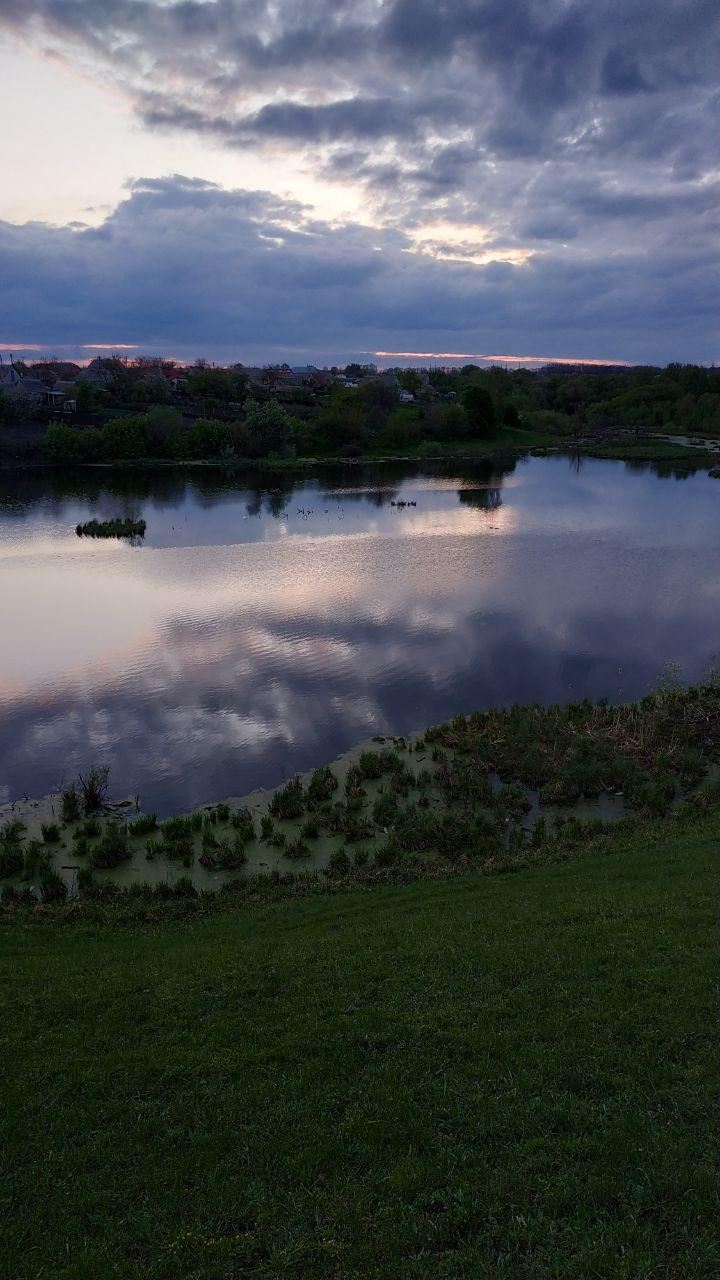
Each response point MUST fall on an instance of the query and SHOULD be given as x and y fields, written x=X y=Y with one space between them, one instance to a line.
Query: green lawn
x=508 y=1076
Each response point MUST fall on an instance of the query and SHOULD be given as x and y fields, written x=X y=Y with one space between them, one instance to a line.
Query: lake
x=267 y=623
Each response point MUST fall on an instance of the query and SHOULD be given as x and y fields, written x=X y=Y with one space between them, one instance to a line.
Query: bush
x=11 y=860
x=296 y=849
x=289 y=801
x=244 y=823
x=52 y=886
x=322 y=785
x=144 y=825
x=93 y=788
x=50 y=832
x=113 y=848
x=70 y=802
x=12 y=832
x=230 y=855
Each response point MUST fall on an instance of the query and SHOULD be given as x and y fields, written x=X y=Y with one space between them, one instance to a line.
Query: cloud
x=583 y=140
x=190 y=268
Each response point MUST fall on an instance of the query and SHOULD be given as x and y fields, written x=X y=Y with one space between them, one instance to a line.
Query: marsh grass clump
x=222 y=812
x=11 y=860
x=288 y=802
x=354 y=782
x=321 y=786
x=182 y=827
x=70 y=810
x=337 y=865
x=310 y=829
x=296 y=849
x=414 y=830
x=152 y=849
x=79 y=846
x=385 y=809
x=143 y=825
x=113 y=848
x=230 y=854
x=51 y=885
x=179 y=849
x=357 y=829
x=93 y=788
x=35 y=860
x=91 y=828
x=209 y=839
x=117 y=528
x=512 y=798
x=50 y=832
x=12 y=832
x=267 y=827
x=243 y=822
x=370 y=765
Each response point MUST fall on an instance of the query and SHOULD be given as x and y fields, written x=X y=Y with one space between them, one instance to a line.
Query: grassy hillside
x=487 y=1076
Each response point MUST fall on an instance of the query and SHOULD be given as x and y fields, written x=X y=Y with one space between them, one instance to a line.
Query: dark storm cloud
x=187 y=267
x=587 y=133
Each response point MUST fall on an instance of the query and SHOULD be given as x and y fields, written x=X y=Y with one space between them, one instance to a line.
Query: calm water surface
x=266 y=624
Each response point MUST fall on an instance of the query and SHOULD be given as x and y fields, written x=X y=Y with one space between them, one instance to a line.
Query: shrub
x=370 y=764
x=70 y=802
x=12 y=832
x=322 y=785
x=222 y=812
x=179 y=849
x=338 y=864
x=414 y=830
x=310 y=829
x=52 y=886
x=143 y=825
x=297 y=849
x=353 y=781
x=36 y=859
x=11 y=860
x=179 y=828
x=184 y=888
x=385 y=809
x=289 y=801
x=230 y=855
x=244 y=823
x=93 y=788
x=113 y=848
x=50 y=832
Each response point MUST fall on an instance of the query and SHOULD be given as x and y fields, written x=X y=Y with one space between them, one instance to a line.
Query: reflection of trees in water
x=490 y=478
x=272 y=498
x=487 y=499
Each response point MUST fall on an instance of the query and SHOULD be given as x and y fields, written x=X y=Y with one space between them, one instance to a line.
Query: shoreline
x=492 y=790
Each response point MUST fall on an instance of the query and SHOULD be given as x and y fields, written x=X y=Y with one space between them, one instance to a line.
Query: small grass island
x=111 y=529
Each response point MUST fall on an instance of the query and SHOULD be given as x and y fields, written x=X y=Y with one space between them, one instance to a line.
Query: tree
x=84 y=396
x=479 y=407
x=268 y=428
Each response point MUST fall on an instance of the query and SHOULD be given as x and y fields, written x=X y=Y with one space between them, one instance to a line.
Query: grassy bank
x=489 y=1076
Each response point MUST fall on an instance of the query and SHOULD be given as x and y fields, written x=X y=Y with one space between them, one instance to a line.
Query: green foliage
x=113 y=848
x=93 y=789
x=70 y=804
x=288 y=801
x=11 y=859
x=244 y=823
x=478 y=405
x=143 y=825
x=118 y=528
x=50 y=832
x=322 y=785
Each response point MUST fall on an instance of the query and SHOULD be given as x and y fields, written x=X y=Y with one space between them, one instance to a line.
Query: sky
x=401 y=180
